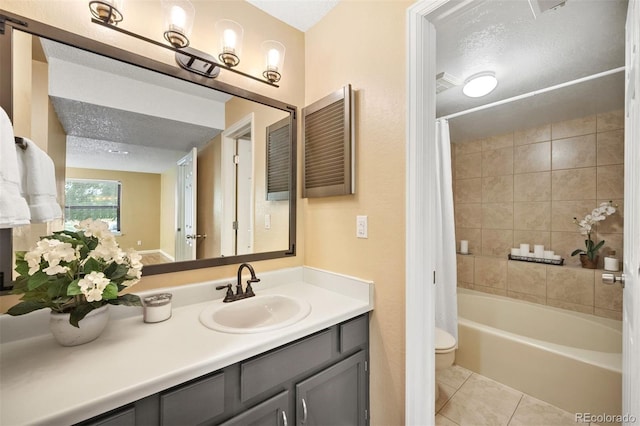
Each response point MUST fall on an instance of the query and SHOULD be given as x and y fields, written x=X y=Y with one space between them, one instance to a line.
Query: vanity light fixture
x=273 y=52
x=108 y=11
x=178 y=22
x=480 y=84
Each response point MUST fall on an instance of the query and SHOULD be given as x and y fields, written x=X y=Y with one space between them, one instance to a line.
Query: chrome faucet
x=240 y=294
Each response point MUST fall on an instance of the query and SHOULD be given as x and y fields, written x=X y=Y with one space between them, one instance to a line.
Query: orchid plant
x=76 y=272
x=586 y=228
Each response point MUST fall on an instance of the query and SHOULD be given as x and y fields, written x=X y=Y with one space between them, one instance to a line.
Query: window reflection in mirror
x=106 y=121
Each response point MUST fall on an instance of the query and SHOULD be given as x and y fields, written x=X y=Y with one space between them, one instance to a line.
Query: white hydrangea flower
x=33 y=259
x=53 y=252
x=92 y=286
x=96 y=228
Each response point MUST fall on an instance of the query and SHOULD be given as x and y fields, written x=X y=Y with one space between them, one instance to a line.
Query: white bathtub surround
x=569 y=359
x=446 y=308
x=148 y=358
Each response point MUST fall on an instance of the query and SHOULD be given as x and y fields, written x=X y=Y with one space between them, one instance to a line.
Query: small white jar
x=157 y=307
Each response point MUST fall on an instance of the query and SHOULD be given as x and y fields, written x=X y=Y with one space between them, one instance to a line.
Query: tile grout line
x=516 y=409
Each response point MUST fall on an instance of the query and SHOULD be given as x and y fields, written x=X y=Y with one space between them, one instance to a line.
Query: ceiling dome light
x=480 y=84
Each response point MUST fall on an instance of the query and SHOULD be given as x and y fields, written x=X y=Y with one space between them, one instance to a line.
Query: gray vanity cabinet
x=335 y=396
x=320 y=379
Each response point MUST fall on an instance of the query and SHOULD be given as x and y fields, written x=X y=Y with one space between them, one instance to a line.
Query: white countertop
x=42 y=382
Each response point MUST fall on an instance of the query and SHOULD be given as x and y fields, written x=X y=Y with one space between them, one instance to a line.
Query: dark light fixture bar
x=184 y=52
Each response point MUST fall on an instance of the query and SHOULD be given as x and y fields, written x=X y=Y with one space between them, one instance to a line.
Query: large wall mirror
x=187 y=170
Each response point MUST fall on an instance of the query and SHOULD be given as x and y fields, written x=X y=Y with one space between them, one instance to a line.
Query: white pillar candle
x=538 y=250
x=464 y=246
x=548 y=254
x=515 y=252
x=524 y=249
x=611 y=264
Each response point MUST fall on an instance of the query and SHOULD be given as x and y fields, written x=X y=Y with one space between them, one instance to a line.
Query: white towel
x=38 y=183
x=13 y=207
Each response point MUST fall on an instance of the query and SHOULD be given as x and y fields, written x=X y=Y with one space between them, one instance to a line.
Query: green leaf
x=598 y=246
x=127 y=300
x=110 y=292
x=80 y=312
x=26 y=307
x=115 y=271
x=22 y=267
x=577 y=251
x=37 y=279
x=589 y=244
x=74 y=288
x=57 y=288
x=92 y=265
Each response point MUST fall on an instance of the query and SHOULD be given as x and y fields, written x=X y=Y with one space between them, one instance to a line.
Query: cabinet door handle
x=284 y=418
x=304 y=411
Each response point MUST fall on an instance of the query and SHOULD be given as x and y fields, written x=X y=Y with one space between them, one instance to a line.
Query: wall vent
x=446 y=81
x=329 y=145
x=278 y=160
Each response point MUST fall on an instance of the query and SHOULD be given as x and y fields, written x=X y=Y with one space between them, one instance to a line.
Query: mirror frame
x=9 y=21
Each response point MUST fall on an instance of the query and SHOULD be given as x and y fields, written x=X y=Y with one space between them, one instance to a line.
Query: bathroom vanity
x=181 y=372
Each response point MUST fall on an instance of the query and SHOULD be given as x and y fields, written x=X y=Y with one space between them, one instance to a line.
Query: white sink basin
x=255 y=314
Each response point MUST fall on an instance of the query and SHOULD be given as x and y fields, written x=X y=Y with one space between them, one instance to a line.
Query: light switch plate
x=362 y=226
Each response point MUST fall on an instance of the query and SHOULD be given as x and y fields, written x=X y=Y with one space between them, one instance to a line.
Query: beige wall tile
x=496 y=242
x=463 y=284
x=572 y=285
x=497 y=215
x=610 y=182
x=577 y=127
x=497 y=142
x=535 y=216
x=532 y=186
x=563 y=213
x=468 y=215
x=570 y=306
x=532 y=158
x=532 y=135
x=465 y=268
x=611 y=120
x=468 y=190
x=497 y=162
x=527 y=297
x=473 y=235
x=610 y=148
x=468 y=165
x=532 y=238
x=497 y=189
x=574 y=184
x=605 y=313
x=579 y=151
x=564 y=243
x=490 y=272
x=490 y=290
x=468 y=147
x=607 y=296
x=527 y=278
x=613 y=224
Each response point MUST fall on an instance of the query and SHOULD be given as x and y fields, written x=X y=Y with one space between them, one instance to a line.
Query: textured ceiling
x=300 y=14
x=153 y=143
x=582 y=38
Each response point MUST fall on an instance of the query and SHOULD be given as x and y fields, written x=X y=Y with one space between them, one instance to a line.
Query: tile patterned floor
x=467 y=398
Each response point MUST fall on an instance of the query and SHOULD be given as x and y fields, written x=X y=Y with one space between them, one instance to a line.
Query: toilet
x=445 y=345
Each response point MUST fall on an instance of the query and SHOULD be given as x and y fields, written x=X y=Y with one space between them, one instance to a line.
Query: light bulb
x=229 y=39
x=178 y=18
x=273 y=59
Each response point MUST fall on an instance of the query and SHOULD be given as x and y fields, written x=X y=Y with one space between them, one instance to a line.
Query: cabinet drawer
x=126 y=417
x=267 y=371
x=354 y=333
x=194 y=403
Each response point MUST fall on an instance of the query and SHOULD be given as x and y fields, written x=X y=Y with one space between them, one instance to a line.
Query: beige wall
x=143 y=16
x=363 y=43
x=526 y=187
x=140 y=202
x=209 y=199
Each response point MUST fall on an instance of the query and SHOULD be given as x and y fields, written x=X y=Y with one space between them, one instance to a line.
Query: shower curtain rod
x=530 y=94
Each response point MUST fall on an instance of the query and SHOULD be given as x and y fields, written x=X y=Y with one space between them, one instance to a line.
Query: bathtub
x=568 y=359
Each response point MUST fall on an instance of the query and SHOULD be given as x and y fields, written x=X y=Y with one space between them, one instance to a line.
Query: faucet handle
x=228 y=297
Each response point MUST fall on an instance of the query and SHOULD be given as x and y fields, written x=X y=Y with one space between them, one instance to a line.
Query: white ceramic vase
x=91 y=326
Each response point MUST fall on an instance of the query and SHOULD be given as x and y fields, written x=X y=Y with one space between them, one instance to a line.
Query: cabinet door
x=337 y=395
x=272 y=412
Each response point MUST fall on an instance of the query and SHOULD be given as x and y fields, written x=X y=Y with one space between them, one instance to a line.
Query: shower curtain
x=445 y=240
